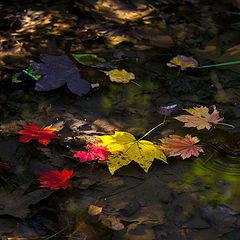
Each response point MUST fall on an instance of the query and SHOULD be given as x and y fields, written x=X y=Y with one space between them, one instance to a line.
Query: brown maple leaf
x=175 y=145
x=200 y=117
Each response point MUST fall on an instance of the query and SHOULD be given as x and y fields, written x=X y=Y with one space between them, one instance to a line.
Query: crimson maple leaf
x=95 y=152
x=32 y=132
x=54 y=179
x=175 y=145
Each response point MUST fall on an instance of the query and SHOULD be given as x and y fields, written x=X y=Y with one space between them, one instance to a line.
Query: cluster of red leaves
x=94 y=152
x=32 y=132
x=54 y=179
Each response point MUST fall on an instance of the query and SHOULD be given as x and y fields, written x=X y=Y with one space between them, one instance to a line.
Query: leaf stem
x=164 y=120
x=225 y=124
x=219 y=64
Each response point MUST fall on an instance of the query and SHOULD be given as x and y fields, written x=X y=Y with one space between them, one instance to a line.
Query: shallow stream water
x=191 y=199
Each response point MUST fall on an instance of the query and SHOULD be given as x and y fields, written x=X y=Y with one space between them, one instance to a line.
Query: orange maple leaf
x=32 y=132
x=175 y=145
x=200 y=117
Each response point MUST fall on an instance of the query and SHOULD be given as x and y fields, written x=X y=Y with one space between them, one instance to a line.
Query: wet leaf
x=54 y=179
x=166 y=110
x=94 y=210
x=183 y=61
x=32 y=132
x=120 y=76
x=57 y=71
x=200 y=117
x=90 y=60
x=112 y=223
x=175 y=145
x=125 y=149
x=95 y=152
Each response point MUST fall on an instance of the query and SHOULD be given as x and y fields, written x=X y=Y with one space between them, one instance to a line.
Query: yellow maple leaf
x=120 y=76
x=125 y=149
x=200 y=117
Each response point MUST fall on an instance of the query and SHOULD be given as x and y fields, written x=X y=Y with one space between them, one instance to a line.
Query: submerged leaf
x=112 y=223
x=57 y=71
x=95 y=152
x=120 y=76
x=125 y=149
x=175 y=145
x=200 y=117
x=54 y=179
x=94 y=210
x=183 y=61
x=16 y=203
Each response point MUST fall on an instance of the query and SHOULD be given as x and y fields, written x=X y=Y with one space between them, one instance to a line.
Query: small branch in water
x=219 y=64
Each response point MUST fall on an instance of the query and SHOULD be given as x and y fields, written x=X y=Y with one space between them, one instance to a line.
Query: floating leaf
x=183 y=61
x=32 y=132
x=54 y=179
x=95 y=152
x=200 y=117
x=90 y=60
x=125 y=149
x=57 y=71
x=120 y=76
x=166 y=110
x=175 y=145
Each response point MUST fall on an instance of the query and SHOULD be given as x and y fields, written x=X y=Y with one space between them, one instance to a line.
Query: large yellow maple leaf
x=125 y=149
x=200 y=117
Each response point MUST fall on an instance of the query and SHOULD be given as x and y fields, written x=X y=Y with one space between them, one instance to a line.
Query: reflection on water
x=218 y=180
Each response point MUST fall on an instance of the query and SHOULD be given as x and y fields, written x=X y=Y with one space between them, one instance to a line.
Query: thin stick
x=57 y=233
x=220 y=64
x=136 y=84
x=31 y=75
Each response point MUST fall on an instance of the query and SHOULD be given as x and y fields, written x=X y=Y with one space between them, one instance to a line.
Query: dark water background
x=194 y=199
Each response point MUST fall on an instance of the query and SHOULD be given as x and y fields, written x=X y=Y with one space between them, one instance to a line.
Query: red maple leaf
x=32 y=132
x=95 y=152
x=175 y=145
x=54 y=179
